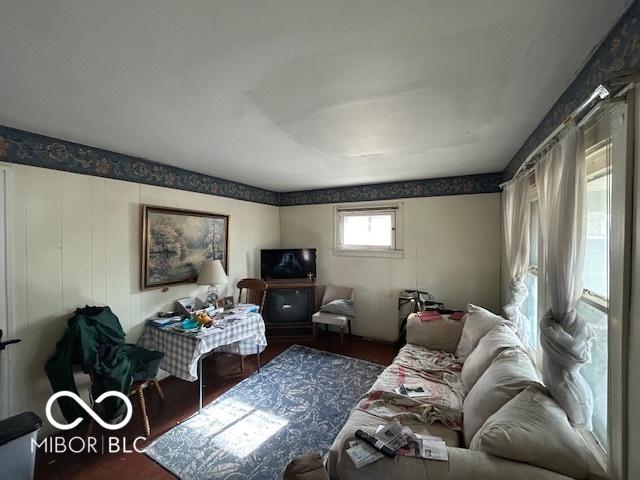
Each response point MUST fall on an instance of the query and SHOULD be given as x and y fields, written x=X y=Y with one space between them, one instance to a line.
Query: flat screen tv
x=287 y=263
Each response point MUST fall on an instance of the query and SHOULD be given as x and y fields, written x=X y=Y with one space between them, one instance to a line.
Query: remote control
x=375 y=443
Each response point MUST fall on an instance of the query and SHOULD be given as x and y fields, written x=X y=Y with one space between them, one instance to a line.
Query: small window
x=370 y=230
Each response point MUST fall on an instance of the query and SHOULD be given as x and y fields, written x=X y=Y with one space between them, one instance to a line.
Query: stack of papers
x=163 y=322
x=401 y=439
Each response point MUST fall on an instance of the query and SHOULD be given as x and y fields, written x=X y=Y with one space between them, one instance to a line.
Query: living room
x=245 y=240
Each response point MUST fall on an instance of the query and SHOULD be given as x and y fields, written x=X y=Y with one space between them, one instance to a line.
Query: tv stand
x=289 y=306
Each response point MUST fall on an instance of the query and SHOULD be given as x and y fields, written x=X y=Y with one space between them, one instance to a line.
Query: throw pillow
x=339 y=307
x=498 y=339
x=443 y=334
x=477 y=323
x=511 y=372
x=532 y=428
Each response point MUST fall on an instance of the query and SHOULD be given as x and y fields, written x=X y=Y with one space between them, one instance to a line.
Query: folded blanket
x=429 y=316
x=437 y=372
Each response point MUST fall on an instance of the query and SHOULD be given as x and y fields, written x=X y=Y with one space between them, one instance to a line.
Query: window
x=374 y=230
x=530 y=307
x=594 y=303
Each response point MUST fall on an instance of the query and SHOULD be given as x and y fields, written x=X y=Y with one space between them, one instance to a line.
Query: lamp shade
x=212 y=273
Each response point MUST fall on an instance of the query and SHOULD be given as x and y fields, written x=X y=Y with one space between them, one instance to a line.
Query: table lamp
x=212 y=273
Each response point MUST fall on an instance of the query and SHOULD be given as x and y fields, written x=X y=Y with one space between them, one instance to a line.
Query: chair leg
x=349 y=322
x=143 y=412
x=315 y=332
x=342 y=337
x=90 y=427
x=241 y=363
x=92 y=422
x=159 y=391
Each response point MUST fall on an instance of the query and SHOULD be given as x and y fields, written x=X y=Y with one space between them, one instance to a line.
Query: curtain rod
x=600 y=93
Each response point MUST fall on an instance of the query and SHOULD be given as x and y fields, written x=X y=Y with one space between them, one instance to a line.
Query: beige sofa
x=525 y=434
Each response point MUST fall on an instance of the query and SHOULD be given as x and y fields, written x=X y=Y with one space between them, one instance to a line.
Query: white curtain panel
x=565 y=336
x=516 y=240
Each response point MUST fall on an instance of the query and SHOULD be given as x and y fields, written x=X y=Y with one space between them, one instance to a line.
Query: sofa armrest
x=435 y=335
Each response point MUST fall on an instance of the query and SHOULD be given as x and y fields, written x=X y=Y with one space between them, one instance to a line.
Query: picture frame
x=175 y=242
x=226 y=303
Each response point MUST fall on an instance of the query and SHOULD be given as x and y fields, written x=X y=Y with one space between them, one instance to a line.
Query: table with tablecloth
x=183 y=351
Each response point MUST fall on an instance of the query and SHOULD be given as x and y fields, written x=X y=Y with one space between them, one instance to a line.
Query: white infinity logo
x=92 y=414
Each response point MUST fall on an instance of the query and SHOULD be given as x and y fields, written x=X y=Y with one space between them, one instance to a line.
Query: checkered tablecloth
x=182 y=350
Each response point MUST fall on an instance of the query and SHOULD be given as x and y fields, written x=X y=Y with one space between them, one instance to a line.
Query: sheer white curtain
x=516 y=240
x=565 y=336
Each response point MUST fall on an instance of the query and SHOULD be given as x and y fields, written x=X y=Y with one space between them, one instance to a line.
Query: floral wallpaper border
x=433 y=187
x=620 y=51
x=18 y=146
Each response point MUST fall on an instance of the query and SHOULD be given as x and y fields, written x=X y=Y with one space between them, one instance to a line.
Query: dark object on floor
x=306 y=467
x=94 y=340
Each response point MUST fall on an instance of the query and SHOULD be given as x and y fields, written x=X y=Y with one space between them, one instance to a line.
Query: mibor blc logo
x=108 y=444
x=94 y=415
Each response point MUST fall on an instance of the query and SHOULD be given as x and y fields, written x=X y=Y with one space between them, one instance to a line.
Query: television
x=278 y=264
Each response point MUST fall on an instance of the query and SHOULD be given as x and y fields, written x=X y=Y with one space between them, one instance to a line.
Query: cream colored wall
x=452 y=249
x=75 y=240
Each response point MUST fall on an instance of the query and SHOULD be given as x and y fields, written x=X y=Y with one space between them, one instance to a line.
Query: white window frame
x=537 y=271
x=396 y=209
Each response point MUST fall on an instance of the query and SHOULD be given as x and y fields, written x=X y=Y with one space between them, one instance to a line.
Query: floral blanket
x=437 y=372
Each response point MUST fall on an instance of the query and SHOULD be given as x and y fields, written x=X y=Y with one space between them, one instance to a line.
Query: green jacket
x=94 y=340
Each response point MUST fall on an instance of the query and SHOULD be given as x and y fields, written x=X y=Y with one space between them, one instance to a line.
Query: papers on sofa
x=403 y=440
x=432 y=448
x=411 y=391
x=362 y=454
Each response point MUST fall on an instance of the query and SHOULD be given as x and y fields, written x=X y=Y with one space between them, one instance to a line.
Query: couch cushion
x=499 y=338
x=532 y=428
x=441 y=335
x=477 y=323
x=511 y=372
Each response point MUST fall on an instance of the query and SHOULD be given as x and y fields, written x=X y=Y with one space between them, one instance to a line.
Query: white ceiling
x=296 y=94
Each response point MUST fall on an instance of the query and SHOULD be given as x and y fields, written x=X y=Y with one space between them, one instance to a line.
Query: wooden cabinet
x=288 y=309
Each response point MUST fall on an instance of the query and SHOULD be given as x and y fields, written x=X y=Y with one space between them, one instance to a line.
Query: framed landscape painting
x=176 y=242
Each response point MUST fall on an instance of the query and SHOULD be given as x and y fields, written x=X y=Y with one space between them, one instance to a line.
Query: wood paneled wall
x=75 y=240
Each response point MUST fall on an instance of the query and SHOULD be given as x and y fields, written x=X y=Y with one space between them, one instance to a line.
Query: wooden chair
x=137 y=390
x=255 y=291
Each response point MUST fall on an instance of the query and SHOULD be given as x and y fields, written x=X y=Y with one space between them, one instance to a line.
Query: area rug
x=297 y=404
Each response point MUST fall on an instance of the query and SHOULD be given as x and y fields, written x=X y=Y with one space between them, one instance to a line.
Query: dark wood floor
x=180 y=403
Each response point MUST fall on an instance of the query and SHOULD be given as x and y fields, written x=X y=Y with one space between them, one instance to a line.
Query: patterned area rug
x=297 y=404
